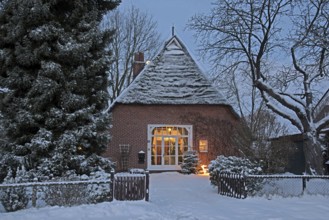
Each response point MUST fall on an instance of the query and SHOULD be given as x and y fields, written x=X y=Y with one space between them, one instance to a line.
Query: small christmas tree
x=190 y=162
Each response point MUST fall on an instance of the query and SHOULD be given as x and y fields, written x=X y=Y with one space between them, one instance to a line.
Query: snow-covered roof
x=173 y=77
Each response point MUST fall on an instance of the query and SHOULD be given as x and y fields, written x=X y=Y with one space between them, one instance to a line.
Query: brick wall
x=129 y=126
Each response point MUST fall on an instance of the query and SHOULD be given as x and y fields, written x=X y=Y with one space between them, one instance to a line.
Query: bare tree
x=237 y=85
x=136 y=31
x=253 y=34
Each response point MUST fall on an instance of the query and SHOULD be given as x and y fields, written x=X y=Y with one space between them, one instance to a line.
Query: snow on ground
x=175 y=196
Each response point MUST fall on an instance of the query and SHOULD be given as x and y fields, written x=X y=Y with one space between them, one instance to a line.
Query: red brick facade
x=130 y=124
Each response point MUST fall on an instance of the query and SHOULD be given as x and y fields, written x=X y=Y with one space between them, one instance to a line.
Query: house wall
x=293 y=151
x=129 y=126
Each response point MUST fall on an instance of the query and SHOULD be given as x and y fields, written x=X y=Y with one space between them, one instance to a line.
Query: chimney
x=138 y=64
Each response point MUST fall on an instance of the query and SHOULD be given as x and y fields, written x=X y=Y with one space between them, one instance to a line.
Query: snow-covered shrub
x=95 y=163
x=232 y=164
x=79 y=166
x=66 y=194
x=14 y=198
x=190 y=162
x=99 y=192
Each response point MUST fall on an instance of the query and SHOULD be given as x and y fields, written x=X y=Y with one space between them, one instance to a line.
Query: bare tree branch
x=249 y=32
x=136 y=31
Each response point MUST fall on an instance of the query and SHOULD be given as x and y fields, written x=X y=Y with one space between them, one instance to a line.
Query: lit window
x=203 y=146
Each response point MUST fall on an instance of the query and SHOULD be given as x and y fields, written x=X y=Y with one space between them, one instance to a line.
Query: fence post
x=218 y=182
x=244 y=185
x=34 y=195
x=112 y=185
x=304 y=184
x=147 y=193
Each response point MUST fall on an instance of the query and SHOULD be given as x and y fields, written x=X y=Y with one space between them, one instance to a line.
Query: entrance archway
x=167 y=144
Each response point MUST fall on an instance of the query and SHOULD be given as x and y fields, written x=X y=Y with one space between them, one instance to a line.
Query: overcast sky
x=173 y=12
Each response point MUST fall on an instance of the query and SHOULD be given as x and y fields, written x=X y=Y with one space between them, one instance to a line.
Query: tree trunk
x=313 y=156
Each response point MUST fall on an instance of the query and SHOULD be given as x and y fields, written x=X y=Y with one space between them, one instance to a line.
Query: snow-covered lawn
x=186 y=197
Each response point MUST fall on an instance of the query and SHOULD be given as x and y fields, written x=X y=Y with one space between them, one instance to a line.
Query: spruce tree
x=190 y=162
x=53 y=65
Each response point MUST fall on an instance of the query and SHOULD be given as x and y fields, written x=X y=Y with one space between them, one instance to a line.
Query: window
x=203 y=146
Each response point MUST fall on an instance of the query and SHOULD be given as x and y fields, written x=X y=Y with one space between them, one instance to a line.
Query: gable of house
x=173 y=77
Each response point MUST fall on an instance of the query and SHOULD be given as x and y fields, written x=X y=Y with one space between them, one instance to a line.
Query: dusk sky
x=173 y=12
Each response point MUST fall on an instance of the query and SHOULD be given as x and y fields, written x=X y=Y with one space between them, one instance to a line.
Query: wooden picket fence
x=133 y=187
x=232 y=185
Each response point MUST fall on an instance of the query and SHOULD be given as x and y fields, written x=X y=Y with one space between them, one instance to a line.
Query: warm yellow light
x=204 y=170
x=203 y=145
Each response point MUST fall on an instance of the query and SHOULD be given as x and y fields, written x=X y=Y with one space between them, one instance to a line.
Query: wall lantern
x=141 y=156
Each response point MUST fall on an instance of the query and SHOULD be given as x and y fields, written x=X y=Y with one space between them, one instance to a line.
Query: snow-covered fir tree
x=53 y=68
x=190 y=162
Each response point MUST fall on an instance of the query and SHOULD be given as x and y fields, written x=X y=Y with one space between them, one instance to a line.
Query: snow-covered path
x=174 y=196
x=194 y=198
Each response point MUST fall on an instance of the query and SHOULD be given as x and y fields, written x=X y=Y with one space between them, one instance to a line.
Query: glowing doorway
x=166 y=145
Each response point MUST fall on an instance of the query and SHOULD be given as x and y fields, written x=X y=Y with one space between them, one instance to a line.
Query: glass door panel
x=170 y=146
x=182 y=147
x=156 y=151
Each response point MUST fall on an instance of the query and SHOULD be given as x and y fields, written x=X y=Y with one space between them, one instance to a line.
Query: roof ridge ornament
x=173 y=30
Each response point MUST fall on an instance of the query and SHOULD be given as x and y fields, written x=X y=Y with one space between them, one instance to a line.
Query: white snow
x=186 y=197
x=3 y=90
x=173 y=77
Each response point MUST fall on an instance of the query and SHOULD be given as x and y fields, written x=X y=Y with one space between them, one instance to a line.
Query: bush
x=14 y=198
x=190 y=162
x=232 y=164
x=99 y=192
x=66 y=195
x=70 y=195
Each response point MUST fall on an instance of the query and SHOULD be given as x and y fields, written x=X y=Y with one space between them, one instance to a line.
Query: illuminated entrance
x=166 y=145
